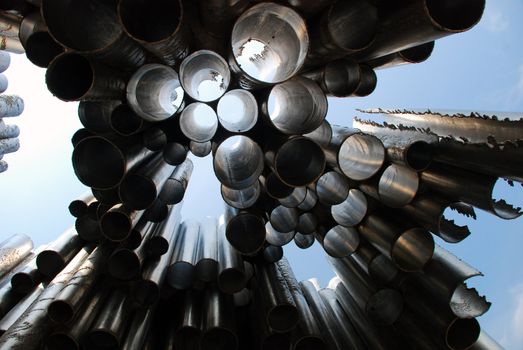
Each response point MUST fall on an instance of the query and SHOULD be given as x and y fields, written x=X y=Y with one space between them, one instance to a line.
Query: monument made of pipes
x=246 y=81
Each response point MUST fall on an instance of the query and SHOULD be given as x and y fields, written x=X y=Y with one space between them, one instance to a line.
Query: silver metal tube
x=181 y=274
x=352 y=210
x=413 y=55
x=12 y=251
x=220 y=329
x=238 y=162
x=199 y=122
x=174 y=187
x=138 y=330
x=284 y=219
x=217 y=16
x=332 y=188
x=237 y=111
x=307 y=223
x=341 y=241
x=78 y=207
x=124 y=121
x=231 y=273
x=207 y=266
x=117 y=223
x=277 y=238
x=339 y=78
x=310 y=201
x=8 y=296
x=188 y=329
x=254 y=60
x=156 y=240
x=272 y=254
x=276 y=189
x=296 y=197
x=376 y=265
x=296 y=106
x=154 y=92
x=245 y=230
x=321 y=135
x=241 y=199
x=175 y=153
x=200 y=149
x=303 y=241
x=11 y=106
x=57 y=254
x=18 y=310
x=27 y=276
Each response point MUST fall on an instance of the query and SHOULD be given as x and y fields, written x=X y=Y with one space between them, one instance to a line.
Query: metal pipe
x=181 y=273
x=238 y=162
x=281 y=314
x=88 y=228
x=73 y=77
x=205 y=75
x=200 y=149
x=472 y=188
x=486 y=342
x=138 y=330
x=277 y=238
x=109 y=196
x=117 y=223
x=207 y=266
x=174 y=187
x=276 y=189
x=199 y=122
x=368 y=82
x=341 y=241
x=332 y=188
x=352 y=210
x=272 y=254
x=12 y=251
x=321 y=135
x=310 y=201
x=296 y=197
x=157 y=212
x=140 y=188
x=339 y=78
x=296 y=106
x=74 y=294
x=217 y=16
x=124 y=121
x=154 y=139
x=376 y=265
x=241 y=199
x=237 y=111
x=307 y=223
x=231 y=272
x=28 y=331
x=281 y=36
x=245 y=230
x=57 y=254
x=154 y=92
x=108 y=329
x=161 y=27
x=27 y=276
x=102 y=164
x=422 y=21
x=18 y=310
x=187 y=331
x=41 y=49
x=344 y=28
x=219 y=325
x=409 y=247
x=11 y=106
x=175 y=153
x=303 y=241
x=413 y=55
x=284 y=219
x=157 y=243
x=9 y=29
x=78 y=207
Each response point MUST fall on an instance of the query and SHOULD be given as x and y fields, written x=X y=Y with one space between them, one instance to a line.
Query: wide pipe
x=284 y=219
x=303 y=241
x=296 y=106
x=339 y=78
x=154 y=92
x=332 y=188
x=340 y=241
x=175 y=153
x=237 y=111
x=217 y=16
x=245 y=230
x=22 y=306
x=41 y=49
x=124 y=121
x=78 y=207
x=53 y=259
x=12 y=251
x=321 y=135
x=199 y=122
x=73 y=77
x=278 y=51
x=160 y=26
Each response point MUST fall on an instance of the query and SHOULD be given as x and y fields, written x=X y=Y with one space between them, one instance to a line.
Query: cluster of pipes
x=247 y=81
x=10 y=106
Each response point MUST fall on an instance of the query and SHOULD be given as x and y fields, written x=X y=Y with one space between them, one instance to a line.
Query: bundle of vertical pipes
x=247 y=82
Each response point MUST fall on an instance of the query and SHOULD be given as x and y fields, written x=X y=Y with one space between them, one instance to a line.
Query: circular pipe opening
x=49 y=263
x=199 y=122
x=146 y=292
x=277 y=238
x=238 y=162
x=22 y=283
x=174 y=153
x=307 y=223
x=238 y=111
x=60 y=312
x=270 y=42
x=455 y=15
x=172 y=192
x=462 y=333
x=241 y=199
x=284 y=219
x=361 y=156
x=154 y=92
x=413 y=249
x=297 y=106
x=276 y=188
x=297 y=197
x=342 y=78
x=299 y=162
x=231 y=280
x=246 y=233
x=398 y=186
x=200 y=149
x=116 y=226
x=340 y=241
x=137 y=191
x=181 y=275
x=124 y=121
x=272 y=254
x=205 y=75
x=352 y=211
x=418 y=54
x=332 y=188
x=124 y=265
x=69 y=77
x=303 y=241
x=419 y=155
x=41 y=49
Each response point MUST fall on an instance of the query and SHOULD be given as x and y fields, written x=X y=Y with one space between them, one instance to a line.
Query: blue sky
x=478 y=70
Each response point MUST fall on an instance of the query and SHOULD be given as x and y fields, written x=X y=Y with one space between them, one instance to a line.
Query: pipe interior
x=69 y=76
x=341 y=241
x=270 y=42
x=60 y=312
x=154 y=139
x=297 y=197
x=299 y=162
x=238 y=111
x=413 y=249
x=181 y=275
x=297 y=106
x=150 y=20
x=238 y=162
x=49 y=262
x=205 y=75
x=455 y=15
x=276 y=188
x=124 y=121
x=172 y=192
x=22 y=282
x=61 y=341
x=342 y=78
x=246 y=233
x=241 y=199
x=332 y=188
x=123 y=264
x=398 y=186
x=199 y=122
x=277 y=238
x=154 y=92
x=322 y=134
x=272 y=254
x=41 y=49
x=103 y=339
x=157 y=245
x=200 y=149
x=307 y=223
x=462 y=333
x=419 y=155
x=361 y=156
x=506 y=203
x=115 y=226
x=137 y=191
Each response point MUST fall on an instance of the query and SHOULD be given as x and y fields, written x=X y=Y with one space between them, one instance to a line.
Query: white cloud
x=496 y=21
x=513 y=337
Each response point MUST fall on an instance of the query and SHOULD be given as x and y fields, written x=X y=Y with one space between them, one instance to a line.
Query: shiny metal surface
x=12 y=251
x=237 y=111
x=198 y=122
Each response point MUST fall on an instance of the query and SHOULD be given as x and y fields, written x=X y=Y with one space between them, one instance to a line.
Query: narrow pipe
x=219 y=325
x=12 y=251
x=486 y=342
x=275 y=188
x=277 y=29
x=310 y=201
x=174 y=187
x=188 y=329
x=245 y=230
x=41 y=49
x=237 y=111
x=217 y=16
x=207 y=266
x=413 y=55
x=117 y=223
x=108 y=329
x=296 y=106
x=410 y=248
x=341 y=241
x=53 y=259
x=78 y=207
x=11 y=106
x=154 y=139
x=140 y=188
x=241 y=199
x=157 y=212
x=231 y=273
x=73 y=77
x=368 y=82
x=157 y=244
x=284 y=219
x=199 y=122
x=30 y=24
x=181 y=273
x=376 y=265
x=27 y=276
x=161 y=27
x=303 y=241
x=272 y=254
x=175 y=153
x=200 y=149
x=154 y=92
x=295 y=198
x=277 y=238
x=238 y=162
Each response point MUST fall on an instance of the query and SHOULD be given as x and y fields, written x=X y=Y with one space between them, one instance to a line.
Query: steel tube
x=124 y=121
x=341 y=241
x=237 y=111
x=303 y=241
x=241 y=199
x=154 y=139
x=284 y=219
x=181 y=274
x=296 y=197
x=138 y=330
x=174 y=187
x=199 y=122
x=277 y=238
x=117 y=223
x=11 y=106
x=276 y=189
x=157 y=243
x=410 y=248
x=339 y=78
x=376 y=265
x=332 y=188
x=238 y=162
x=154 y=92
x=175 y=153
x=18 y=310
x=78 y=207
x=272 y=254
x=41 y=49
x=207 y=266
x=27 y=276
x=245 y=230
x=73 y=77
x=159 y=26
x=200 y=149
x=188 y=329
x=231 y=272
x=281 y=36
x=352 y=210
x=310 y=201
x=413 y=55
x=486 y=342
x=217 y=16
x=296 y=106
x=220 y=330
x=12 y=251
x=307 y=223
x=57 y=254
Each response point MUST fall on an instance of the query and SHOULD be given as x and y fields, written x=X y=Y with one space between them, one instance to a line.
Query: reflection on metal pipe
x=237 y=111
x=186 y=255
x=416 y=54
x=53 y=259
x=241 y=199
x=199 y=122
x=174 y=187
x=303 y=241
x=352 y=210
x=219 y=323
x=231 y=273
x=12 y=251
x=341 y=241
x=245 y=230
x=200 y=149
x=207 y=266
x=277 y=238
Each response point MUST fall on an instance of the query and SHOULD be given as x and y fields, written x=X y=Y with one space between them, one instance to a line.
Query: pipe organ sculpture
x=247 y=83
